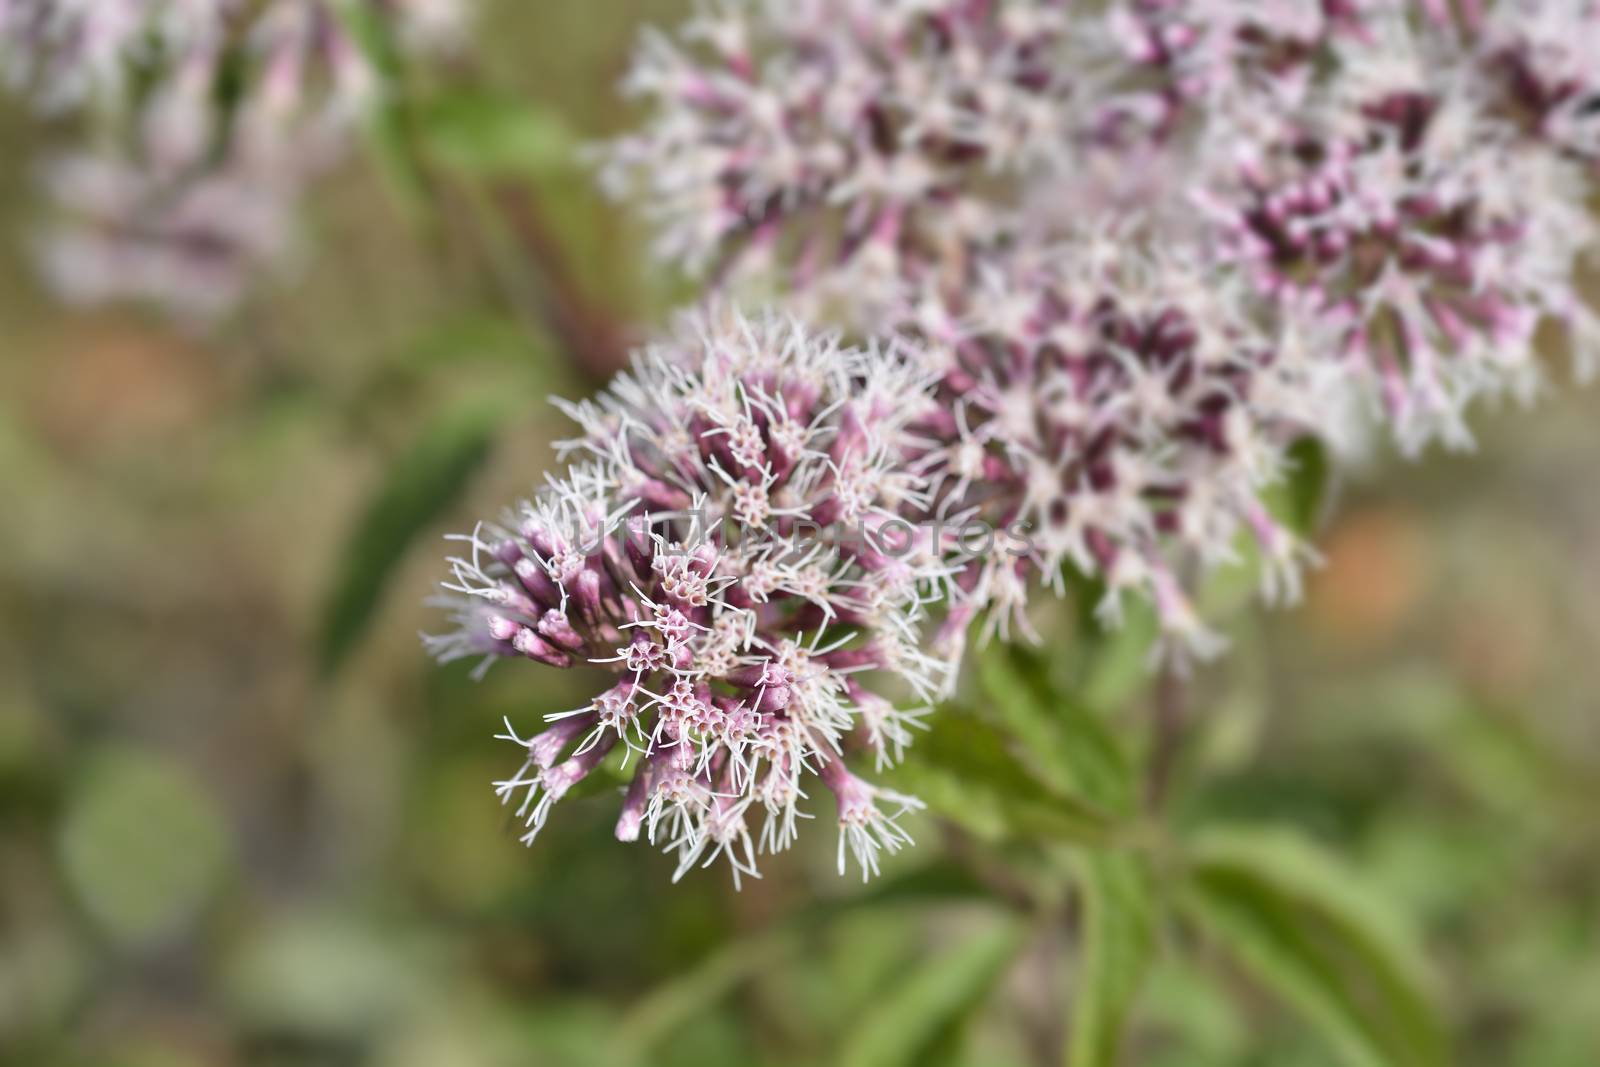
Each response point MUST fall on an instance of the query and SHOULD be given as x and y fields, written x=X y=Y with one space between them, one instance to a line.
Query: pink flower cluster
x=844 y=140
x=1407 y=172
x=1353 y=210
x=1129 y=257
x=188 y=202
x=702 y=550
x=1127 y=412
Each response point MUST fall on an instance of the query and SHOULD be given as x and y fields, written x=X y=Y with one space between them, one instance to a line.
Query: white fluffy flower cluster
x=725 y=548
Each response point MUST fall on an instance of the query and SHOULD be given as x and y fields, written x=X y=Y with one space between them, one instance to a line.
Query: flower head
x=841 y=137
x=67 y=52
x=192 y=245
x=1311 y=207
x=193 y=199
x=105 y=52
x=1392 y=194
x=1544 y=52
x=1123 y=413
x=715 y=550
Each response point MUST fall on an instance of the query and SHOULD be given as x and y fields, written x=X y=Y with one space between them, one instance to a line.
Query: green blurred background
x=244 y=821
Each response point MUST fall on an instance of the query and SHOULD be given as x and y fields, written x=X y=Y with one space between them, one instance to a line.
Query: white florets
x=743 y=642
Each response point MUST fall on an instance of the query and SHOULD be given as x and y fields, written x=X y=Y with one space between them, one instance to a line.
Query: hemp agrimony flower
x=1401 y=185
x=220 y=112
x=1384 y=168
x=106 y=52
x=841 y=137
x=1132 y=255
x=1544 y=50
x=1127 y=411
x=721 y=550
x=123 y=233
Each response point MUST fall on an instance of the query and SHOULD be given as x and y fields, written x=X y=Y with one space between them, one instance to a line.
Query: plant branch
x=1170 y=725
x=597 y=345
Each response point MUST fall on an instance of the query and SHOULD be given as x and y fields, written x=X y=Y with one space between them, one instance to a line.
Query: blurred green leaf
x=908 y=1024
x=420 y=486
x=1112 y=663
x=1198 y=1024
x=657 y=1015
x=142 y=847
x=1300 y=922
x=1121 y=917
x=1298 y=498
x=1065 y=742
x=482 y=134
x=964 y=771
x=933 y=883
x=691 y=992
x=473 y=337
x=1119 y=666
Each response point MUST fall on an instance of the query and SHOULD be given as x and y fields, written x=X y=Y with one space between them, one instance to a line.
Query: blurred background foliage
x=243 y=821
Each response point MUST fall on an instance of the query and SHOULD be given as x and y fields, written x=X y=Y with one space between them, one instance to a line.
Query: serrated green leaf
x=1307 y=930
x=482 y=134
x=1064 y=741
x=964 y=771
x=418 y=488
x=1121 y=916
x=936 y=1001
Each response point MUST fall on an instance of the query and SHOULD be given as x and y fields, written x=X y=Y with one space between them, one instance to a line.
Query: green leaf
x=419 y=487
x=1064 y=741
x=482 y=134
x=691 y=992
x=1121 y=918
x=1113 y=663
x=909 y=1024
x=1308 y=931
x=1298 y=499
x=964 y=771
x=473 y=338
x=1119 y=664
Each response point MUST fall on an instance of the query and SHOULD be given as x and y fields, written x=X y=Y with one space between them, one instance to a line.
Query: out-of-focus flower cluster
x=1126 y=413
x=1131 y=254
x=842 y=141
x=210 y=117
x=1411 y=173
x=720 y=546
x=1313 y=209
